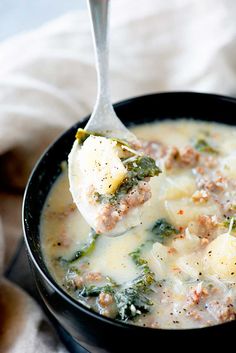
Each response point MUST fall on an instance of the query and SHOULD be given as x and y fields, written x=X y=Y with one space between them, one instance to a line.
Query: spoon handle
x=99 y=18
x=103 y=118
x=103 y=108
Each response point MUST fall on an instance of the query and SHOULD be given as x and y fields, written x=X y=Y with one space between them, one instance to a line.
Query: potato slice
x=177 y=186
x=229 y=166
x=191 y=265
x=159 y=259
x=187 y=244
x=101 y=164
x=220 y=257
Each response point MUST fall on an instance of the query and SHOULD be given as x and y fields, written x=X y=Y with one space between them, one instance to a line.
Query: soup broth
x=178 y=268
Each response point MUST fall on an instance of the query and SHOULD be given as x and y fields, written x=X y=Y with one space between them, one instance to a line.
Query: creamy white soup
x=177 y=269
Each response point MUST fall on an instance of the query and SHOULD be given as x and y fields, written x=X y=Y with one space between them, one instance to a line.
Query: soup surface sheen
x=178 y=268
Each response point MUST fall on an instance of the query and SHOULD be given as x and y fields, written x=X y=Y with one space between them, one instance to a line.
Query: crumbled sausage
x=105 y=299
x=211 y=184
x=189 y=156
x=204 y=227
x=78 y=281
x=204 y=241
x=154 y=149
x=200 y=196
x=93 y=277
x=185 y=157
x=110 y=215
x=224 y=311
x=171 y=158
x=217 y=184
x=196 y=294
x=207 y=224
x=209 y=162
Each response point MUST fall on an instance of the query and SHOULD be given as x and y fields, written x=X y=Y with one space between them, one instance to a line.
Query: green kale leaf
x=202 y=145
x=139 y=168
x=163 y=229
x=86 y=249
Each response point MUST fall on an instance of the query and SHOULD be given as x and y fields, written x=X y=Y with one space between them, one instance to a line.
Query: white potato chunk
x=229 y=166
x=159 y=260
x=100 y=162
x=182 y=211
x=177 y=186
x=190 y=265
x=187 y=244
x=220 y=257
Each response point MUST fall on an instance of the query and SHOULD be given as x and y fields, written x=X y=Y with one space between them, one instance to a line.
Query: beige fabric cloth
x=48 y=82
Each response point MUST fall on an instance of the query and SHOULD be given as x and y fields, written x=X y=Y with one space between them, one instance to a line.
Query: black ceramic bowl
x=82 y=325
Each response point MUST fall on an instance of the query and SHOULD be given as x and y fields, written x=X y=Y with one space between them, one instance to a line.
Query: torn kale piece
x=163 y=229
x=142 y=167
x=94 y=291
x=132 y=300
x=139 y=168
x=85 y=250
x=82 y=135
x=202 y=145
x=136 y=257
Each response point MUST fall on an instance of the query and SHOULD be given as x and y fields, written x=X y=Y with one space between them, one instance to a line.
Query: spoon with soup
x=108 y=172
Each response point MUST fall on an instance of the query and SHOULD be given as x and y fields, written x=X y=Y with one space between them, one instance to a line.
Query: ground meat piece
x=209 y=222
x=204 y=227
x=137 y=196
x=200 y=170
x=217 y=184
x=185 y=157
x=222 y=311
x=196 y=294
x=209 y=162
x=200 y=196
x=110 y=214
x=93 y=277
x=78 y=281
x=105 y=299
x=204 y=242
x=171 y=158
x=189 y=156
x=154 y=149
x=211 y=184
x=172 y=251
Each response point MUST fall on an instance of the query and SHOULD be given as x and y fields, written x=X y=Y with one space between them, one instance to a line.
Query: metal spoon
x=103 y=119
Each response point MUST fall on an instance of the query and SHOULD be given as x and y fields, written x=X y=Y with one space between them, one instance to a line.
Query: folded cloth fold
x=48 y=82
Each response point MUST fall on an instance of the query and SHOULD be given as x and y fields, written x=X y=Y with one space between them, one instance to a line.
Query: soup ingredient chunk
x=109 y=182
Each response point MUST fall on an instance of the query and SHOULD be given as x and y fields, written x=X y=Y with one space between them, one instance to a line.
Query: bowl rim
x=48 y=277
